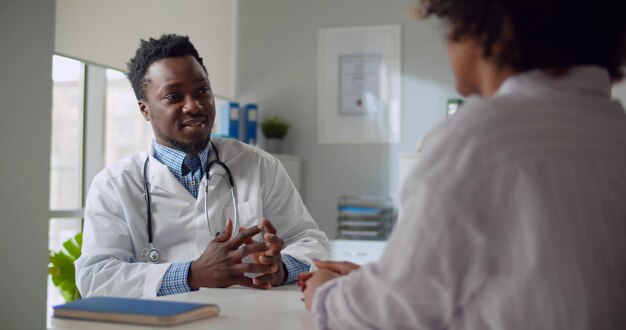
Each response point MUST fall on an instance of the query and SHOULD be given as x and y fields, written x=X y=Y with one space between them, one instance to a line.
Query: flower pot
x=274 y=146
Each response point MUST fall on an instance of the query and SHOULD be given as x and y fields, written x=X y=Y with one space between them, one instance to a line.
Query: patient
x=515 y=216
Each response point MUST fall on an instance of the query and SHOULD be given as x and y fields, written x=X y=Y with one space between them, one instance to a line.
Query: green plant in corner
x=61 y=267
x=274 y=127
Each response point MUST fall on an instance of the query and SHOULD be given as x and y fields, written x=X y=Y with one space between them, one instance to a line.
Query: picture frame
x=359 y=88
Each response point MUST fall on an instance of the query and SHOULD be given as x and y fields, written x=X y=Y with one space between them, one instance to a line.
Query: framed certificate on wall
x=359 y=85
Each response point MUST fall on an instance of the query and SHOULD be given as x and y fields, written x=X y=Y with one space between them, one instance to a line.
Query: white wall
x=277 y=67
x=108 y=32
x=27 y=35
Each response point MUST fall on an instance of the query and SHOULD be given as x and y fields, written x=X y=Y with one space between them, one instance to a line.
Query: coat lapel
x=162 y=180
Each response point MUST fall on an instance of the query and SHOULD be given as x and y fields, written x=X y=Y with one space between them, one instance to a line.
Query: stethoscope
x=149 y=252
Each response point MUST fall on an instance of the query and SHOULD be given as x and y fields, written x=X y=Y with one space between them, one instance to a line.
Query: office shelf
x=365 y=217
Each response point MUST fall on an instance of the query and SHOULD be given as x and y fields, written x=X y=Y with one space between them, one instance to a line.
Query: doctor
x=155 y=226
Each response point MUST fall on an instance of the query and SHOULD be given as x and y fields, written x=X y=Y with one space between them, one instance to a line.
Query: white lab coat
x=115 y=230
x=514 y=217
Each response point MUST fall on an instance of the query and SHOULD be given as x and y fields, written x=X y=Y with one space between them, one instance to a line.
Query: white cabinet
x=356 y=251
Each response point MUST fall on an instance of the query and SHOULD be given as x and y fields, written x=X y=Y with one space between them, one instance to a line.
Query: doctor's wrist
x=285 y=274
x=293 y=268
x=192 y=277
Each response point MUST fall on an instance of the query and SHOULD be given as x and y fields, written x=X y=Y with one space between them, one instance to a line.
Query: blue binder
x=251 y=115
x=230 y=120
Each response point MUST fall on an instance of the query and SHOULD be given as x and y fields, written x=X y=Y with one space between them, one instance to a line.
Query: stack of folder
x=365 y=217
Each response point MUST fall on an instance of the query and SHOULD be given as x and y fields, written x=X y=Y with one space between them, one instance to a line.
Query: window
x=67 y=131
x=95 y=122
x=126 y=131
x=66 y=168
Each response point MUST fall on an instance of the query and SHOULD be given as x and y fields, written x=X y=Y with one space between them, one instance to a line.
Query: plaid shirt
x=189 y=171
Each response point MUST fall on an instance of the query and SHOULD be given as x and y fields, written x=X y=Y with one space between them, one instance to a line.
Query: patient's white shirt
x=513 y=218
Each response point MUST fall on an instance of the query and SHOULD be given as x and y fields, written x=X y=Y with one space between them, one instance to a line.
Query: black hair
x=150 y=51
x=540 y=34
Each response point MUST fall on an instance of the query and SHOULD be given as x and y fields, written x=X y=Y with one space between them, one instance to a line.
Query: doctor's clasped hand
x=271 y=257
x=221 y=263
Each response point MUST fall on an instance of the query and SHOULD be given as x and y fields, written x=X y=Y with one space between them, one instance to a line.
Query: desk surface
x=240 y=308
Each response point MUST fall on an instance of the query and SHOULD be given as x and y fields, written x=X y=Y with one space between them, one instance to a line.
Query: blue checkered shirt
x=187 y=168
x=189 y=172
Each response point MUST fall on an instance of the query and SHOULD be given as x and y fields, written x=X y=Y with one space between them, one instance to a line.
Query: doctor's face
x=179 y=103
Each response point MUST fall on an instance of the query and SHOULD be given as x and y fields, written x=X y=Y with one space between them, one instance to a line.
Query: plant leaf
x=79 y=239
x=61 y=268
x=72 y=247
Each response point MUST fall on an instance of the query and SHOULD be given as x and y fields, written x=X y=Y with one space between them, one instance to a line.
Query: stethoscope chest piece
x=150 y=254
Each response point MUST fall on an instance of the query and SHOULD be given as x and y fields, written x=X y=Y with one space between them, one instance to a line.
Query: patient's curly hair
x=539 y=34
x=150 y=51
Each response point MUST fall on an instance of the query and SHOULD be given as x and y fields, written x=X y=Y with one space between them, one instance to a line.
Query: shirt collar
x=586 y=79
x=173 y=158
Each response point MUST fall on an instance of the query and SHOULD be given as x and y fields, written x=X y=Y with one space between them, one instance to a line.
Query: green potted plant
x=61 y=267
x=274 y=129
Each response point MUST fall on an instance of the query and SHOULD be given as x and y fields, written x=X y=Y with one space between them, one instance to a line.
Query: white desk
x=240 y=308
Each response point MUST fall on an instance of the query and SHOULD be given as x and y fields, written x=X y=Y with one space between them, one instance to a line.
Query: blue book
x=230 y=120
x=136 y=311
x=251 y=115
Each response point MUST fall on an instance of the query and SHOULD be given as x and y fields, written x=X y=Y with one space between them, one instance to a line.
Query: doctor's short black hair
x=539 y=34
x=152 y=50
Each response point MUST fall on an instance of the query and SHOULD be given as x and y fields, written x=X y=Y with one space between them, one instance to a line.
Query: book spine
x=229 y=119
x=234 y=130
x=251 y=115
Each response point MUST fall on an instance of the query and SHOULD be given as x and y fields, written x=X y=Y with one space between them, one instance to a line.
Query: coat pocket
x=250 y=212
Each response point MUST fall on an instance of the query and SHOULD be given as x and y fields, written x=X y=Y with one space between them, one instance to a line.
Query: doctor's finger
x=243 y=236
x=254 y=256
x=265 y=259
x=267 y=225
x=228 y=231
x=249 y=249
x=249 y=240
x=274 y=244
x=253 y=268
x=266 y=279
